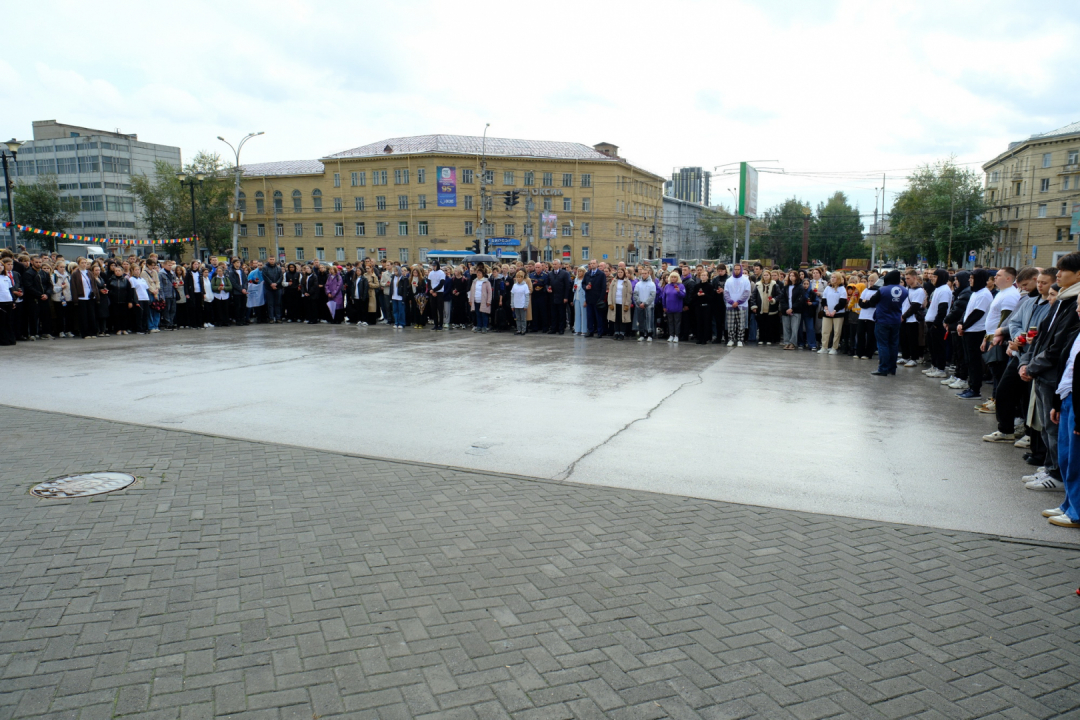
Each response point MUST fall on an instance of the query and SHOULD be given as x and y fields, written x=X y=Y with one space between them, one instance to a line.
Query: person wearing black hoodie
x=888 y=302
x=961 y=295
x=940 y=297
x=972 y=329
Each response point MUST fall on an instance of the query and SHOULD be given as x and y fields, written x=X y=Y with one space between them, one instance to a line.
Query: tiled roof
x=472 y=145
x=283 y=167
x=1070 y=129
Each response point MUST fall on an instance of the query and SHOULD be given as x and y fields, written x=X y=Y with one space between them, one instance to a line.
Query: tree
x=941 y=215
x=39 y=205
x=162 y=204
x=721 y=227
x=836 y=232
x=781 y=240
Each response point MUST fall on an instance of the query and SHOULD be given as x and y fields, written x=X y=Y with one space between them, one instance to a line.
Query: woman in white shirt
x=7 y=304
x=620 y=304
x=480 y=299
x=866 y=342
x=833 y=305
x=142 y=296
x=520 y=296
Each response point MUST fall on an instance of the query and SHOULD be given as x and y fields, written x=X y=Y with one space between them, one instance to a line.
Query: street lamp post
x=236 y=189
x=190 y=181
x=13 y=146
x=734 y=224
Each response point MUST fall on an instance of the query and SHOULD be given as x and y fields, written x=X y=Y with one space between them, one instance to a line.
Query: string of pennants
x=87 y=239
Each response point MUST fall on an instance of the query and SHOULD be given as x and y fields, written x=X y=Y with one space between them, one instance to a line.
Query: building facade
x=691 y=184
x=94 y=169
x=1033 y=188
x=385 y=200
x=683 y=237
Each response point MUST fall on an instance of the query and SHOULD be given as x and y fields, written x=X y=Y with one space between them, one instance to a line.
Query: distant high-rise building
x=691 y=184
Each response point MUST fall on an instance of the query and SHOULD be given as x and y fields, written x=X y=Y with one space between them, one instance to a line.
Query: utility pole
x=236 y=188
x=873 y=235
x=482 y=230
x=806 y=237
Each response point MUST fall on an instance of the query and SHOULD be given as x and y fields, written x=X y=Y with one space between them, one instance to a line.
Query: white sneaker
x=1040 y=473
x=641 y=338
x=730 y=343
x=832 y=352
x=950 y=380
x=739 y=344
x=997 y=436
x=959 y=385
x=671 y=339
x=155 y=330
x=1047 y=484
x=936 y=374
x=650 y=338
x=822 y=351
x=1052 y=512
x=1023 y=443
x=675 y=340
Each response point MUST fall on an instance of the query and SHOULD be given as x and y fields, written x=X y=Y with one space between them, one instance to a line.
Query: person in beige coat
x=620 y=303
x=480 y=299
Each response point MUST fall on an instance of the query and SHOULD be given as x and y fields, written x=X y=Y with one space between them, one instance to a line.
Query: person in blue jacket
x=888 y=301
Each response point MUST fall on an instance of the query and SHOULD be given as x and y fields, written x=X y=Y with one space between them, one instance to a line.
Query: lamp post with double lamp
x=191 y=181
x=236 y=189
x=734 y=223
x=13 y=146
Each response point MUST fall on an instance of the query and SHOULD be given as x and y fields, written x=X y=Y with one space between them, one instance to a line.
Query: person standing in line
x=560 y=290
x=63 y=319
x=101 y=307
x=834 y=307
x=866 y=341
x=620 y=303
x=221 y=289
x=913 y=313
x=520 y=297
x=142 y=301
x=335 y=294
x=1001 y=307
x=436 y=281
x=973 y=331
x=961 y=287
x=273 y=277
x=936 y=311
x=82 y=294
x=791 y=302
x=888 y=301
x=645 y=304
x=290 y=300
x=701 y=307
x=35 y=297
x=7 y=303
x=673 y=294
x=399 y=297
x=387 y=277
x=153 y=289
x=167 y=282
x=736 y=297
x=480 y=294
x=194 y=288
x=719 y=314
x=581 y=320
x=418 y=291
x=595 y=294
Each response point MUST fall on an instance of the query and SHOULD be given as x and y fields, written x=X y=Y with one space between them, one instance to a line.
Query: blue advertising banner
x=447 y=180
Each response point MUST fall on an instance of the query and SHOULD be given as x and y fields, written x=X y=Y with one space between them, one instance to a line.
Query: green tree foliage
x=165 y=204
x=941 y=201
x=721 y=226
x=781 y=239
x=39 y=205
x=836 y=232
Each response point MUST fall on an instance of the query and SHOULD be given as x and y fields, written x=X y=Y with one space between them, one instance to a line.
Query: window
x=316 y=200
x=530 y=178
x=527 y=229
x=584 y=252
x=86 y=165
x=66 y=166
x=422 y=254
x=262 y=253
x=403 y=228
x=1044 y=185
x=337 y=204
x=548 y=180
x=243 y=254
x=358 y=203
x=1016 y=188
x=1064 y=185
x=466 y=176
x=568 y=180
x=1062 y=235
x=1046 y=159
x=547 y=203
x=1042 y=211
x=119 y=204
x=337 y=179
x=297 y=199
x=279 y=229
x=380 y=202
x=243 y=230
x=468 y=227
x=468 y=202
x=320 y=253
x=421 y=202
x=339 y=254
x=108 y=164
x=508 y=177
x=402 y=202
x=1074 y=157
x=489 y=229
x=278 y=200
x=567 y=252
x=567 y=204
x=361 y=254
x=260 y=203
x=380 y=228
x=421 y=227
x=318 y=230
x=298 y=229
x=489 y=177
x=401 y=176
x=299 y=253
x=586 y=204
x=403 y=254
x=382 y=254
x=489 y=203
x=260 y=230
x=586 y=180
x=421 y=176
x=354 y=179
x=339 y=231
x=508 y=229
x=360 y=229
x=362 y=178
x=585 y=229
x=1064 y=209
x=567 y=230
x=378 y=177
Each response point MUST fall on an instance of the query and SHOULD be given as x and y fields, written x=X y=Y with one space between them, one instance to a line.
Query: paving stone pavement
x=248 y=580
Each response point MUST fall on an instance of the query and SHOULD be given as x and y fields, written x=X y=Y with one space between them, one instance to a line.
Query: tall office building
x=94 y=169
x=691 y=184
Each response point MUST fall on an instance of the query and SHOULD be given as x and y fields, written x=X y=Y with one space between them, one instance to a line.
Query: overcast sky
x=852 y=88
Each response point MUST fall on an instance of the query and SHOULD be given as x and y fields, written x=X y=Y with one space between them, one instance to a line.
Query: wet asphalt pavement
x=753 y=425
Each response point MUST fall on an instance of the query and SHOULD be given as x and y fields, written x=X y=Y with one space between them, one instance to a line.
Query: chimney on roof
x=388 y=150
x=607 y=149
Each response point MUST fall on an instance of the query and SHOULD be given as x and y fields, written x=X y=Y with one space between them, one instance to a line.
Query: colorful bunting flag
x=86 y=239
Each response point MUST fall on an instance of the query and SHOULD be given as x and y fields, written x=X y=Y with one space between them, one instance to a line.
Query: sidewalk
x=249 y=580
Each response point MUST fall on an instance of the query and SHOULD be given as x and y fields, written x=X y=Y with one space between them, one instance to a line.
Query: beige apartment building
x=1033 y=188
x=393 y=200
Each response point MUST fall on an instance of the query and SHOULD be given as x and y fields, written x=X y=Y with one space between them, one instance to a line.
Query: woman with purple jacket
x=335 y=295
x=673 y=294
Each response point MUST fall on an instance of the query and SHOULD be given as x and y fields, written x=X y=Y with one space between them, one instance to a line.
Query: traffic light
x=513 y=198
x=508 y=199
x=476 y=247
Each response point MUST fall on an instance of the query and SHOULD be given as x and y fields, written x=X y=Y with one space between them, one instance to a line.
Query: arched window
x=260 y=203
x=296 y=201
x=316 y=200
x=277 y=201
x=241 y=204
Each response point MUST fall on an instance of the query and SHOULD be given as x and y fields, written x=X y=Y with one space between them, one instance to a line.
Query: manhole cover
x=74 y=486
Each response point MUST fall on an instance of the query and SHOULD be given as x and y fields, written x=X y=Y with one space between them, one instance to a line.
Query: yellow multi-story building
x=405 y=198
x=1033 y=188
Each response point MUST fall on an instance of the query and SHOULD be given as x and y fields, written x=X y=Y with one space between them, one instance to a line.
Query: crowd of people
x=1015 y=331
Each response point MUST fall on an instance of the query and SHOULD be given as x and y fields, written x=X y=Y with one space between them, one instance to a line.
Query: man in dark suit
x=540 y=298
x=238 y=294
x=36 y=286
x=561 y=289
x=596 y=299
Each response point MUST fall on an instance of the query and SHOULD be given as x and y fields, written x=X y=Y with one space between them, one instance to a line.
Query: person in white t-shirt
x=912 y=312
x=939 y=304
x=142 y=295
x=1003 y=304
x=973 y=331
x=866 y=343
